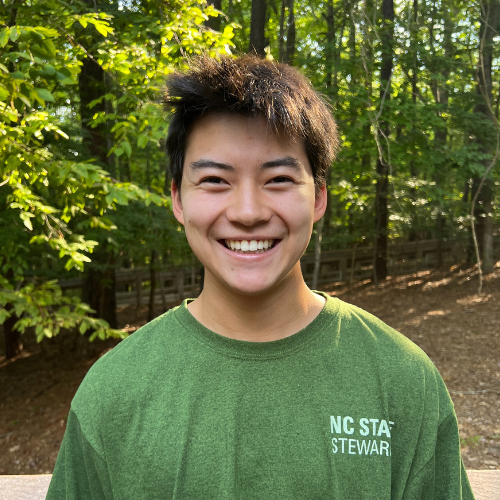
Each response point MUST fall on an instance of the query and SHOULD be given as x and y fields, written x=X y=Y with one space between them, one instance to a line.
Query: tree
x=258 y=40
x=382 y=187
x=287 y=46
x=490 y=12
x=55 y=197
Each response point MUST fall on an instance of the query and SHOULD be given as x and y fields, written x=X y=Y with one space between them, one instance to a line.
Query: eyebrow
x=210 y=164
x=287 y=161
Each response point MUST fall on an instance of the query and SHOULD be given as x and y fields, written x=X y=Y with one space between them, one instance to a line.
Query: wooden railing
x=175 y=284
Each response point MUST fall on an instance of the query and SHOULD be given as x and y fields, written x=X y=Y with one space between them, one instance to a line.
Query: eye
x=281 y=179
x=212 y=180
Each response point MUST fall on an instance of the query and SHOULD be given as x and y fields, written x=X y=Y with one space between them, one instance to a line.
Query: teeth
x=250 y=246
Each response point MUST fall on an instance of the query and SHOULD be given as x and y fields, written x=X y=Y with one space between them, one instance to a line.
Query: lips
x=249 y=246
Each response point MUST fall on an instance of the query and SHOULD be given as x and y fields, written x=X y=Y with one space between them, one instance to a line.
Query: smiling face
x=248 y=203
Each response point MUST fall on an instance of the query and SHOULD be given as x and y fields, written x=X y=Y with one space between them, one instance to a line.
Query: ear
x=177 y=202
x=320 y=203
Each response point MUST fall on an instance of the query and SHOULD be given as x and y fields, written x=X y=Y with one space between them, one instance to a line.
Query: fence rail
x=175 y=284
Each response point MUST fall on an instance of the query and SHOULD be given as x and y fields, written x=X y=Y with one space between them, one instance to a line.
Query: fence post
x=138 y=291
x=180 y=284
x=162 y=291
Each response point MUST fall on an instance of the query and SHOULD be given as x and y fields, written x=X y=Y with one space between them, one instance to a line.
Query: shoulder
x=363 y=328
x=128 y=365
x=405 y=371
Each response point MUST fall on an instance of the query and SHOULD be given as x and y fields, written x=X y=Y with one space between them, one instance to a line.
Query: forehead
x=240 y=137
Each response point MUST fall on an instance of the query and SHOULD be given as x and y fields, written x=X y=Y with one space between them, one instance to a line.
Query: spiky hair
x=250 y=86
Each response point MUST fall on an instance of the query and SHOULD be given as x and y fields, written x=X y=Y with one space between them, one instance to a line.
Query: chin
x=252 y=289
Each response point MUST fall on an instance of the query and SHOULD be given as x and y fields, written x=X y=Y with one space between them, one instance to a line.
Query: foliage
x=61 y=206
x=56 y=201
x=437 y=48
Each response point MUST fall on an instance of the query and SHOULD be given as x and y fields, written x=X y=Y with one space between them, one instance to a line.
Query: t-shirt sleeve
x=444 y=476
x=451 y=478
x=79 y=473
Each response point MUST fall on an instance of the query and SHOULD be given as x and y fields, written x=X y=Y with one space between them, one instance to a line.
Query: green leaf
x=14 y=33
x=48 y=32
x=4 y=314
x=19 y=308
x=50 y=48
x=4 y=68
x=17 y=75
x=4 y=37
x=127 y=148
x=44 y=94
x=12 y=115
x=24 y=99
x=50 y=70
x=4 y=93
x=25 y=217
x=83 y=22
x=142 y=141
x=103 y=28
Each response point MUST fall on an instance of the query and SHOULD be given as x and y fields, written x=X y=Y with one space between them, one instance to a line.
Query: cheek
x=298 y=212
x=200 y=214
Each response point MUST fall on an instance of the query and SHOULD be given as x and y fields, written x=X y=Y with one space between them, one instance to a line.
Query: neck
x=278 y=313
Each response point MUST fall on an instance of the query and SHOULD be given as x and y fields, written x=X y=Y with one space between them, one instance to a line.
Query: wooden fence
x=175 y=284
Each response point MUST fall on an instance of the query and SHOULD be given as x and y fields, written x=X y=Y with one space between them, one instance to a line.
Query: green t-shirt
x=345 y=409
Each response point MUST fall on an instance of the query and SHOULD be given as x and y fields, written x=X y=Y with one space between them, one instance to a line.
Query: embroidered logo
x=366 y=436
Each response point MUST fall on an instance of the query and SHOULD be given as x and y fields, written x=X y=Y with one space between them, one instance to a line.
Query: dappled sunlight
x=439 y=312
x=474 y=299
x=435 y=284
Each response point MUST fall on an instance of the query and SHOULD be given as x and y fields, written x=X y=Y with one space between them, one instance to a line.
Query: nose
x=248 y=206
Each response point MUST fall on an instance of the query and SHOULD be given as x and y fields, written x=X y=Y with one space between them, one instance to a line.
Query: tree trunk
x=487 y=254
x=99 y=290
x=258 y=40
x=367 y=61
x=100 y=283
x=152 y=291
x=329 y=50
x=13 y=344
x=281 y=38
x=414 y=28
x=490 y=11
x=214 y=23
x=290 y=36
x=440 y=91
x=91 y=87
x=317 y=253
x=138 y=292
x=381 y=197
x=111 y=159
x=330 y=43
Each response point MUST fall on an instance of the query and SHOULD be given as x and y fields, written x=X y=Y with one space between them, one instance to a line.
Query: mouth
x=249 y=246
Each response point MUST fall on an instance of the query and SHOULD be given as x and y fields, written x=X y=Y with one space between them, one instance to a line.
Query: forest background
x=83 y=174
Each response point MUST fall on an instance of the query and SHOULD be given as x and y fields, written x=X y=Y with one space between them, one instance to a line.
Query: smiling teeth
x=249 y=246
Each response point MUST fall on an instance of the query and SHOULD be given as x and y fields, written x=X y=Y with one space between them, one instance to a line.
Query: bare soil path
x=439 y=311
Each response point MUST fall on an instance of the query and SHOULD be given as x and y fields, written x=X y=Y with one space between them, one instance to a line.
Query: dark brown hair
x=250 y=86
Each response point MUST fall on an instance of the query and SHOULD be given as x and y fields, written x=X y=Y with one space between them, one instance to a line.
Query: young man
x=260 y=388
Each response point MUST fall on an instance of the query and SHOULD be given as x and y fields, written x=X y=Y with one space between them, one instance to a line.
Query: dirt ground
x=439 y=311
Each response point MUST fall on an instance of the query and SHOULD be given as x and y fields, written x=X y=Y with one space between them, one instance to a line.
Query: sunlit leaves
x=44 y=308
